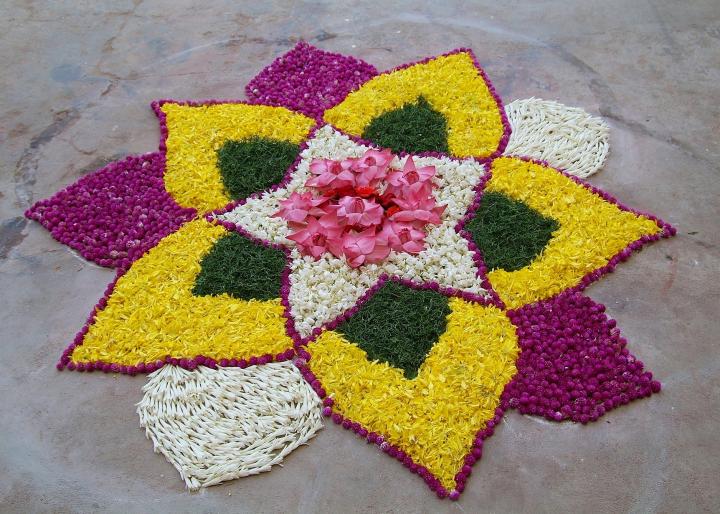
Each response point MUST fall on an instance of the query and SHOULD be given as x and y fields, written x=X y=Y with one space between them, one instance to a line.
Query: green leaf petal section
x=412 y=128
x=240 y=268
x=253 y=165
x=509 y=234
x=399 y=326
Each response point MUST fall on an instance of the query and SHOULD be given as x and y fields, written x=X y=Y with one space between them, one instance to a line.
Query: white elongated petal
x=216 y=425
x=322 y=290
x=565 y=137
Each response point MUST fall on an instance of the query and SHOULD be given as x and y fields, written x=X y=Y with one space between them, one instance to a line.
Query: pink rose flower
x=416 y=207
x=359 y=212
x=366 y=247
x=361 y=209
x=380 y=158
x=298 y=207
x=404 y=237
x=410 y=174
x=319 y=236
x=331 y=175
x=372 y=168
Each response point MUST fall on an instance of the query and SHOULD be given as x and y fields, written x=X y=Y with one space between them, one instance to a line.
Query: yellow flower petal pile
x=592 y=230
x=451 y=84
x=195 y=134
x=434 y=417
x=152 y=313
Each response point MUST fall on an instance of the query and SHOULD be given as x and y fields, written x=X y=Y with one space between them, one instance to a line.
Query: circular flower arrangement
x=391 y=250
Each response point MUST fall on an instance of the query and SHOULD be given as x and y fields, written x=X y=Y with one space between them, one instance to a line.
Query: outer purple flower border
x=277 y=85
x=139 y=175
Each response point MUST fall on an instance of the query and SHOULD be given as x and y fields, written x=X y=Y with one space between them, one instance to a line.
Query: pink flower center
x=318 y=239
x=358 y=205
x=361 y=209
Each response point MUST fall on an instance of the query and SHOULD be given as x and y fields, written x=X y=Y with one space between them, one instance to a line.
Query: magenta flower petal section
x=308 y=80
x=115 y=214
x=573 y=363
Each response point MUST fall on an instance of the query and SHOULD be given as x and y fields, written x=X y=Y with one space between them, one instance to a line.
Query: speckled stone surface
x=76 y=83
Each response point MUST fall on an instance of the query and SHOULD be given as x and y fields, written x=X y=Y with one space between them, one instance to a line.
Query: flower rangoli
x=396 y=251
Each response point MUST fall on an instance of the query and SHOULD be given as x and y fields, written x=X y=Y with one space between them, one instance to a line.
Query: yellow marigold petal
x=592 y=230
x=152 y=313
x=196 y=133
x=434 y=417
x=452 y=84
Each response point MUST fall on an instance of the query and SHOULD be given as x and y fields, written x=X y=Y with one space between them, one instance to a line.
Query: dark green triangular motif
x=241 y=268
x=398 y=325
x=253 y=165
x=412 y=128
x=509 y=234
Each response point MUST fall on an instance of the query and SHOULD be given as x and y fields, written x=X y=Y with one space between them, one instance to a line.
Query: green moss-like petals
x=398 y=325
x=254 y=164
x=412 y=128
x=509 y=234
x=240 y=268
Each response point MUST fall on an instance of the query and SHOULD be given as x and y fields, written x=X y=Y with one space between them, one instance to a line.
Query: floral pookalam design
x=394 y=239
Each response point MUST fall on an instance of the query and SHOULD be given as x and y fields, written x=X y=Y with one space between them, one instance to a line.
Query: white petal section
x=455 y=181
x=216 y=425
x=447 y=260
x=322 y=290
x=566 y=137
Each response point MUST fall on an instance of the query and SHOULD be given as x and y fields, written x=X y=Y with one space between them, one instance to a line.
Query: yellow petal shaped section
x=434 y=417
x=452 y=85
x=196 y=133
x=152 y=312
x=592 y=230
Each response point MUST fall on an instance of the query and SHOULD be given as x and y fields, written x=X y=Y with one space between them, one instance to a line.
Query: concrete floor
x=76 y=81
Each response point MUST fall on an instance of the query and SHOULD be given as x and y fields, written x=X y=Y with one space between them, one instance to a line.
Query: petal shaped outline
x=193 y=131
x=132 y=330
x=595 y=231
x=291 y=80
x=567 y=138
x=481 y=132
x=378 y=398
x=597 y=373
x=74 y=214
